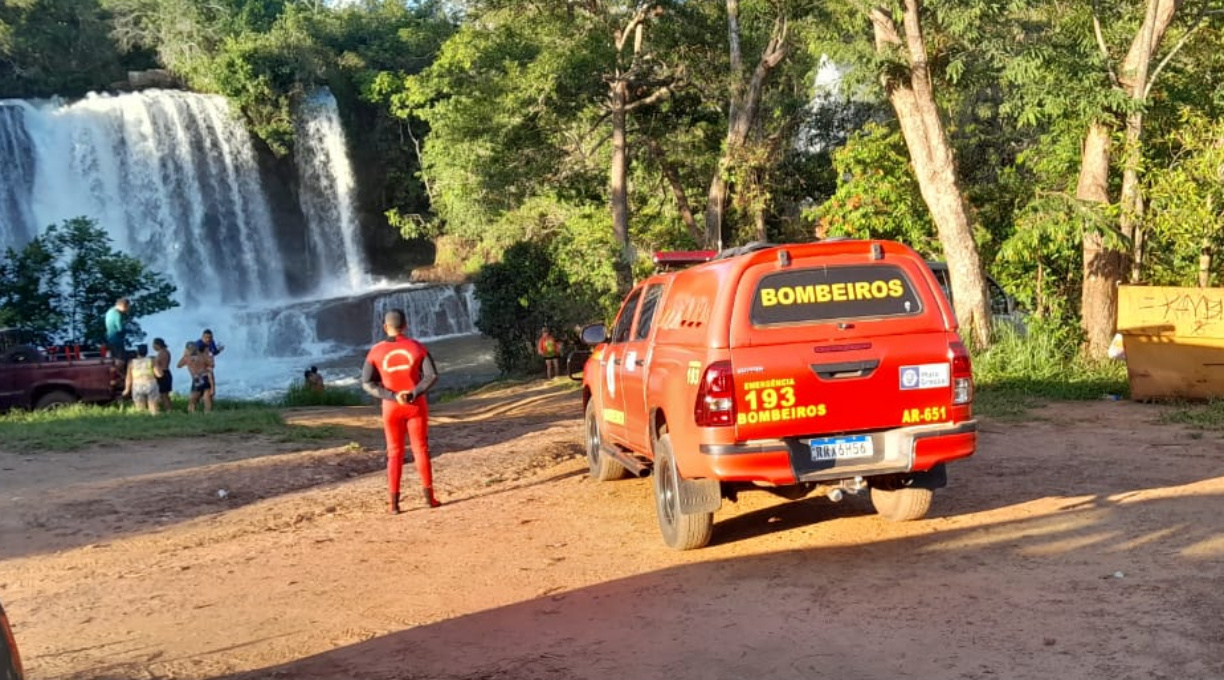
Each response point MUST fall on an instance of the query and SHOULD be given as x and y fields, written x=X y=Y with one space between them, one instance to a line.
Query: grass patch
x=457 y=393
x=301 y=395
x=1020 y=372
x=1208 y=416
x=76 y=427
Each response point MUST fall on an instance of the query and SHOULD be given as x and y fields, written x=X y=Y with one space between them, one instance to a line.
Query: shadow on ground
x=926 y=606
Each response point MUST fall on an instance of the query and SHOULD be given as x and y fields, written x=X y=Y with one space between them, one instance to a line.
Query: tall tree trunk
x=934 y=164
x=619 y=181
x=1105 y=268
x=1102 y=267
x=623 y=83
x=1136 y=81
x=744 y=106
x=677 y=188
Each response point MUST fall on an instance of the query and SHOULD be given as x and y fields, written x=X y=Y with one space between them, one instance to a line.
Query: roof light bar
x=682 y=258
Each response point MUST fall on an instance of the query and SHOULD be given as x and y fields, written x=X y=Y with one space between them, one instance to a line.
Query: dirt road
x=1086 y=542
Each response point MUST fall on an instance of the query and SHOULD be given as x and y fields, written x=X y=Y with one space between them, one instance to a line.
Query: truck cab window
x=620 y=333
x=650 y=305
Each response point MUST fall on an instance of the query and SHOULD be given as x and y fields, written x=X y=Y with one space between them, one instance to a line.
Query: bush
x=1044 y=363
x=301 y=395
x=562 y=282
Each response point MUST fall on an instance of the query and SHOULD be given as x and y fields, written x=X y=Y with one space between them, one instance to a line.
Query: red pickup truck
x=32 y=379
x=830 y=368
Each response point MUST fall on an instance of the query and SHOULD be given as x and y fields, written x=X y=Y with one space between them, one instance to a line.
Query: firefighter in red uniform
x=399 y=371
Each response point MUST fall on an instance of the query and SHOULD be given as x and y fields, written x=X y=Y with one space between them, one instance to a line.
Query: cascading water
x=433 y=311
x=16 y=177
x=171 y=176
x=328 y=196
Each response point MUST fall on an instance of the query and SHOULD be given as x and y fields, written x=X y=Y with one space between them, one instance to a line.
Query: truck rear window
x=840 y=292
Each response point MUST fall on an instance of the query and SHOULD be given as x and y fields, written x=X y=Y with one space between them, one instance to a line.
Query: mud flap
x=700 y=495
x=935 y=478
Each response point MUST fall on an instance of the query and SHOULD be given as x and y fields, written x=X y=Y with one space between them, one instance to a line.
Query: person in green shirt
x=116 y=330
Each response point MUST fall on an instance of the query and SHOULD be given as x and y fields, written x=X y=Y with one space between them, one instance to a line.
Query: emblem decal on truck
x=925 y=376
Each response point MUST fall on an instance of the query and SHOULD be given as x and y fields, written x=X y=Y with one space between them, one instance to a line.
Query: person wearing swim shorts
x=200 y=365
x=209 y=346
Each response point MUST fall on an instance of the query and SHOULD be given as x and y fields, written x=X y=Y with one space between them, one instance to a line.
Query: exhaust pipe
x=835 y=494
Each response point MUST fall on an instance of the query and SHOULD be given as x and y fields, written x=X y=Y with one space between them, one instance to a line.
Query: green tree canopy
x=59 y=286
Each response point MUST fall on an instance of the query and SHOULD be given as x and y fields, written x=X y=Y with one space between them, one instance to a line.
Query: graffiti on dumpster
x=1192 y=312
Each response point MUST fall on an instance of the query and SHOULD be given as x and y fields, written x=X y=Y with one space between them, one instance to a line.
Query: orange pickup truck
x=830 y=367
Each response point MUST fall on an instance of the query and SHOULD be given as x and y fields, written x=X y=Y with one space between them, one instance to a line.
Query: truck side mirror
x=595 y=334
x=574 y=363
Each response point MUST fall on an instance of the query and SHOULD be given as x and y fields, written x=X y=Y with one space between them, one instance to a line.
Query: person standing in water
x=400 y=372
x=313 y=379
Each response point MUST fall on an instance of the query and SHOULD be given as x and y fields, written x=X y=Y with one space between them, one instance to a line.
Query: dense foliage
x=533 y=286
x=60 y=285
x=502 y=129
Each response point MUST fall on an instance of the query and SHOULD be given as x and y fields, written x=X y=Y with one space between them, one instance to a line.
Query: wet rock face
x=151 y=78
x=433 y=311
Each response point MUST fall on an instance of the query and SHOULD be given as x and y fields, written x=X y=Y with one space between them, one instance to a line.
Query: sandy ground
x=1085 y=542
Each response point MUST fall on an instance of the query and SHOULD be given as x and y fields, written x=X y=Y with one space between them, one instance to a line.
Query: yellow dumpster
x=1174 y=340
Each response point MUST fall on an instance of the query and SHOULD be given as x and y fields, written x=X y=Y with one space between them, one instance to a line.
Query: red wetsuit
x=402 y=364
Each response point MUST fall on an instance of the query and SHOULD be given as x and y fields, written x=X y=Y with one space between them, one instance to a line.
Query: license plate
x=841 y=448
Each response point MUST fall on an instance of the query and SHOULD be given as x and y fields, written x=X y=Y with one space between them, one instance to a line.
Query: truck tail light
x=716 y=396
x=962 y=373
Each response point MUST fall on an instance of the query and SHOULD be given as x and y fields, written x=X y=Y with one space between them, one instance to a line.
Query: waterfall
x=314 y=328
x=16 y=176
x=174 y=179
x=327 y=194
x=432 y=311
x=171 y=176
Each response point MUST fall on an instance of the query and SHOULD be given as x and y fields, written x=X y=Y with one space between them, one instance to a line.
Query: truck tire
x=55 y=399
x=903 y=504
x=603 y=468
x=680 y=531
x=22 y=354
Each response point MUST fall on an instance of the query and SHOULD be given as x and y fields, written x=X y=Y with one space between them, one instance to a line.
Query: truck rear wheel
x=680 y=531
x=902 y=504
x=56 y=399
x=603 y=468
